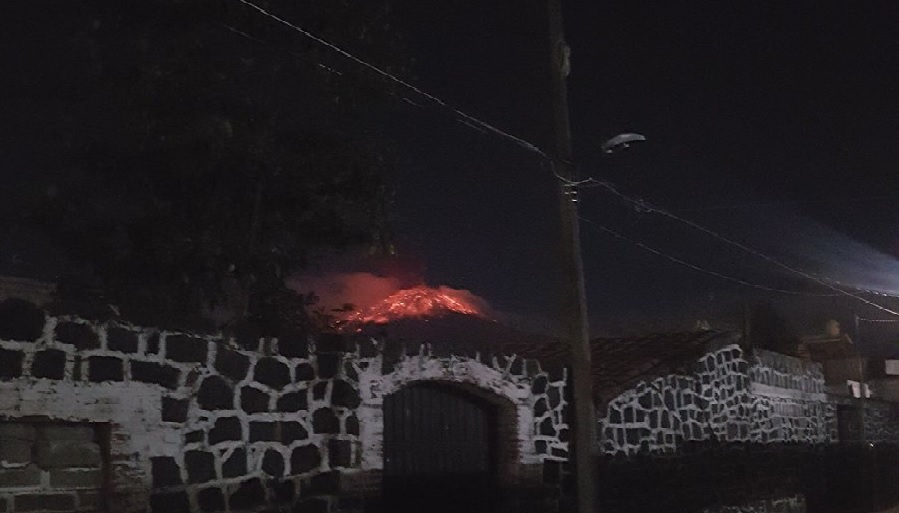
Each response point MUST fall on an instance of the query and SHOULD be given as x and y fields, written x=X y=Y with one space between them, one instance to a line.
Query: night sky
x=776 y=125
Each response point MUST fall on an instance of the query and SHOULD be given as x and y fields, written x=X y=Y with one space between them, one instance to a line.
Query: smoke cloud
x=334 y=290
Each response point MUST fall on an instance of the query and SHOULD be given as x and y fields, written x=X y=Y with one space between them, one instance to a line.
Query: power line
x=461 y=116
x=777 y=203
x=480 y=125
x=648 y=207
x=878 y=320
x=698 y=268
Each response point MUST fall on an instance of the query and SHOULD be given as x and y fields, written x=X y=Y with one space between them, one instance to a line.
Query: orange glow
x=419 y=302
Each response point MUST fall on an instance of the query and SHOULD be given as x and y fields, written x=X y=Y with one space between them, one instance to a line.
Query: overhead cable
x=648 y=207
x=460 y=115
x=698 y=268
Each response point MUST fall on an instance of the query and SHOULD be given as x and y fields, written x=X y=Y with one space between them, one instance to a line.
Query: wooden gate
x=439 y=451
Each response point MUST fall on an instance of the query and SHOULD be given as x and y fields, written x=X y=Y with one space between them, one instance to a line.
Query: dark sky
x=775 y=124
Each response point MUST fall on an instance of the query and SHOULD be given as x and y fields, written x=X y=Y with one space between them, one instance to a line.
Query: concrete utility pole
x=575 y=297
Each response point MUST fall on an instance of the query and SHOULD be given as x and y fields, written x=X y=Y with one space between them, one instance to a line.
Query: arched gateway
x=451 y=434
x=440 y=450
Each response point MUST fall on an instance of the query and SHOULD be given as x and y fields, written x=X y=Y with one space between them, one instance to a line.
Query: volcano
x=441 y=315
x=420 y=302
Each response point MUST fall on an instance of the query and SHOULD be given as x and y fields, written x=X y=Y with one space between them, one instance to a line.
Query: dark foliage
x=207 y=149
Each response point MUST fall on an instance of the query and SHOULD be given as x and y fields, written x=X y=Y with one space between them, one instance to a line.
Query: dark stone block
x=248 y=495
x=352 y=425
x=226 y=429
x=284 y=491
x=540 y=408
x=614 y=416
x=539 y=385
x=20 y=321
x=81 y=336
x=121 y=339
x=559 y=453
x=211 y=499
x=174 y=410
x=293 y=345
x=313 y=505
x=563 y=435
x=416 y=348
x=632 y=436
x=273 y=463
x=368 y=348
x=349 y=370
x=547 y=428
x=170 y=502
x=236 y=465
x=200 y=466
x=325 y=483
x=344 y=394
x=155 y=373
x=232 y=364
x=272 y=373
x=319 y=390
x=194 y=437
x=153 y=343
x=540 y=446
x=292 y=431
x=328 y=365
x=50 y=364
x=165 y=472
x=263 y=431
x=517 y=367
x=304 y=372
x=325 y=421
x=105 y=368
x=253 y=400
x=215 y=394
x=10 y=364
x=554 y=396
x=304 y=458
x=340 y=453
x=388 y=364
x=184 y=349
x=293 y=401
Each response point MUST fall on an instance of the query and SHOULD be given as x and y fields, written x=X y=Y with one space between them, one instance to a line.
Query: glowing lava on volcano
x=420 y=302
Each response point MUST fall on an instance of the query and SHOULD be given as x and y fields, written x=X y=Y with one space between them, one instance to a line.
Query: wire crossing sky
x=483 y=126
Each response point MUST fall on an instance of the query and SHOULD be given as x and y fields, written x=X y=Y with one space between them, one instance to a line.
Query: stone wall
x=788 y=401
x=738 y=432
x=207 y=423
x=724 y=396
x=880 y=422
x=792 y=504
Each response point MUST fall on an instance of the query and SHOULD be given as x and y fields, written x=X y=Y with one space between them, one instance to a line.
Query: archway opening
x=442 y=450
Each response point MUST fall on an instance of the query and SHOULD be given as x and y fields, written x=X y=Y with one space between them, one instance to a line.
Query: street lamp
x=621 y=141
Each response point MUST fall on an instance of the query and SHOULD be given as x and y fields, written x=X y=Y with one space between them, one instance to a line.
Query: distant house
x=707 y=415
x=167 y=421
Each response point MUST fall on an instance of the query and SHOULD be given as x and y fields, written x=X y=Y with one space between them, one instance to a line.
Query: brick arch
x=511 y=395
